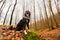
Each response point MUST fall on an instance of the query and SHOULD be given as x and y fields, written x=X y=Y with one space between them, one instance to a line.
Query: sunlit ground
x=45 y=34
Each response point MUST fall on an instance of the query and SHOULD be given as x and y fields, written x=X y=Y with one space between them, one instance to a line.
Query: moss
x=31 y=36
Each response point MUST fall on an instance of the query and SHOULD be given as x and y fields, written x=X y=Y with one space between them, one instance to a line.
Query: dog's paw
x=25 y=32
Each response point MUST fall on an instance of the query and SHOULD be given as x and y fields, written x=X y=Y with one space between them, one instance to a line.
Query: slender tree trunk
x=46 y=15
x=51 y=21
x=57 y=7
x=6 y=14
x=39 y=12
x=2 y=7
x=1 y=1
x=41 y=16
x=34 y=17
x=58 y=12
x=50 y=16
x=37 y=23
x=24 y=7
x=13 y=12
x=53 y=13
x=2 y=4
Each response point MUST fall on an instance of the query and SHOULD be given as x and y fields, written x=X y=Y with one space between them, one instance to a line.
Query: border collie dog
x=23 y=23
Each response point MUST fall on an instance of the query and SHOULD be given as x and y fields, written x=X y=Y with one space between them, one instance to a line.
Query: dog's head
x=27 y=13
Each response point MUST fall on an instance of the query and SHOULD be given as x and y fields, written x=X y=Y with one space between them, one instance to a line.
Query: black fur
x=22 y=23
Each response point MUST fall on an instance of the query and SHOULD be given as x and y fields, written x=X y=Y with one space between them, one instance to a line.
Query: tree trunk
x=53 y=13
x=6 y=14
x=1 y=7
x=46 y=15
x=41 y=17
x=50 y=17
x=13 y=12
x=34 y=17
x=1 y=1
x=57 y=7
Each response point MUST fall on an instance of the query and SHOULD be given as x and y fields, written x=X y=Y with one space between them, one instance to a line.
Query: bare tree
x=57 y=7
x=41 y=16
x=2 y=4
x=13 y=11
x=2 y=7
x=6 y=14
x=51 y=26
x=39 y=11
x=1 y=1
x=46 y=15
x=34 y=17
x=24 y=7
x=52 y=13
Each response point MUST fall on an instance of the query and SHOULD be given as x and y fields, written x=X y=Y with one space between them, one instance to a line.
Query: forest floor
x=50 y=35
x=6 y=34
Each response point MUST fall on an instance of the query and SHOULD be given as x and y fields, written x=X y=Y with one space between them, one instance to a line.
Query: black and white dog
x=23 y=22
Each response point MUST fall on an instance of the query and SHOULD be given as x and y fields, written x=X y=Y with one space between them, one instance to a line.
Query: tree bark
x=41 y=16
x=46 y=15
x=50 y=16
x=1 y=1
x=13 y=12
x=57 y=7
x=2 y=7
x=34 y=17
x=53 y=14
x=6 y=14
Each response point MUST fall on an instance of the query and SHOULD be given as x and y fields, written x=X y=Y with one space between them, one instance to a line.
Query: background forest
x=45 y=15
